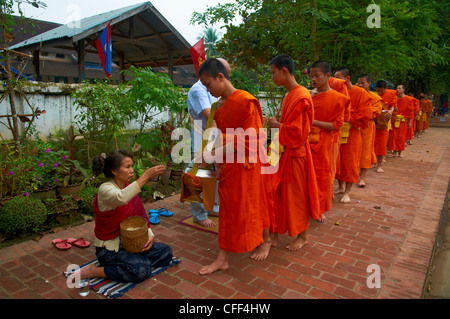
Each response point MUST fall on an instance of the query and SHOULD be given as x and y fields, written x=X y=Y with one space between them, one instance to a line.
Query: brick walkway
x=392 y=223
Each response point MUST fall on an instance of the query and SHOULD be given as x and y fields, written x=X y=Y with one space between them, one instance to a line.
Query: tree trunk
x=314 y=33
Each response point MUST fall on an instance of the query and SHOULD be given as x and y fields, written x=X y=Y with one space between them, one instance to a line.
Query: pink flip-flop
x=79 y=242
x=61 y=244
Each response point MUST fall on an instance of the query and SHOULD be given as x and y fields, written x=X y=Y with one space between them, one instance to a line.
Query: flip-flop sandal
x=162 y=212
x=154 y=220
x=80 y=242
x=61 y=244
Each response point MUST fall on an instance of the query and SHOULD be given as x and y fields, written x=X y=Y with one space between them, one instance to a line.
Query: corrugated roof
x=86 y=26
x=140 y=34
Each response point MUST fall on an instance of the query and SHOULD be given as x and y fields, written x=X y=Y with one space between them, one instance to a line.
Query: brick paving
x=392 y=222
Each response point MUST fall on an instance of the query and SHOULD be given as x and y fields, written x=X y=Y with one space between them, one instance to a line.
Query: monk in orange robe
x=340 y=86
x=351 y=145
x=296 y=196
x=412 y=133
x=429 y=111
x=243 y=210
x=368 y=134
x=382 y=126
x=329 y=107
x=420 y=119
x=402 y=122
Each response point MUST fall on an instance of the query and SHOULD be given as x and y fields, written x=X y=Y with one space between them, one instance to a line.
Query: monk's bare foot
x=262 y=251
x=362 y=183
x=322 y=219
x=274 y=239
x=340 y=190
x=380 y=170
x=298 y=243
x=345 y=199
x=218 y=264
x=400 y=155
x=206 y=223
x=384 y=160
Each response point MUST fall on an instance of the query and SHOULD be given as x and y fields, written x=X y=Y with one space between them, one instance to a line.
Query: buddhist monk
x=429 y=111
x=329 y=107
x=420 y=120
x=351 y=145
x=296 y=196
x=413 y=132
x=368 y=134
x=402 y=122
x=243 y=210
x=383 y=121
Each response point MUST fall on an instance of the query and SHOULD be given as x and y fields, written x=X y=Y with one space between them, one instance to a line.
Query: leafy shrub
x=60 y=206
x=22 y=214
x=87 y=196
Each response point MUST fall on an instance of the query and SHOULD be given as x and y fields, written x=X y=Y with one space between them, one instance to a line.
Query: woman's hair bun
x=98 y=164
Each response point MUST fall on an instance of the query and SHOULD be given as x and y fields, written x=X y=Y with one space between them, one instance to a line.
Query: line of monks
x=338 y=130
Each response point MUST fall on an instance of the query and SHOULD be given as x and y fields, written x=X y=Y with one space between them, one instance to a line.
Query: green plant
x=60 y=206
x=87 y=196
x=22 y=214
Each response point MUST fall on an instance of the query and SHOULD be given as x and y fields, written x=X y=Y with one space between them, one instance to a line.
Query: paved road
x=392 y=223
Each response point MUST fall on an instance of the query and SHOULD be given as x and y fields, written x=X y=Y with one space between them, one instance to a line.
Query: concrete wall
x=56 y=100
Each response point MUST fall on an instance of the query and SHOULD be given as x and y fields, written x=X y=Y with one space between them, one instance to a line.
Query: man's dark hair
x=367 y=77
x=382 y=84
x=283 y=61
x=212 y=67
x=323 y=65
x=345 y=71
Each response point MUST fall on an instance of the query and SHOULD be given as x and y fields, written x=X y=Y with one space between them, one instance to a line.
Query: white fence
x=56 y=100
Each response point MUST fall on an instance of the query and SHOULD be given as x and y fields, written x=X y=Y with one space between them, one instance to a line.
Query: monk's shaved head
x=212 y=67
x=283 y=61
x=226 y=64
x=344 y=71
x=323 y=65
x=381 y=84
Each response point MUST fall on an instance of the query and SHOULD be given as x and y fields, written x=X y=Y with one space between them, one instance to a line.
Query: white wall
x=56 y=100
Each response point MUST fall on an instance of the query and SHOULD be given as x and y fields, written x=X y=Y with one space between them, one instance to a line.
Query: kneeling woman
x=116 y=200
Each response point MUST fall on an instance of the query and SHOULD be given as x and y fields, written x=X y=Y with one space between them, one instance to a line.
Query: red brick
x=218 y=289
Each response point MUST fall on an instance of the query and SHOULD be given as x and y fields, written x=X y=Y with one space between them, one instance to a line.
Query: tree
x=336 y=31
x=7 y=23
x=211 y=38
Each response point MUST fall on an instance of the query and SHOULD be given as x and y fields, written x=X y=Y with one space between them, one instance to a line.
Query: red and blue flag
x=104 y=48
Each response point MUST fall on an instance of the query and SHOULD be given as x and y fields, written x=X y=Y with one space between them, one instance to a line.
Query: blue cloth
x=123 y=266
x=198 y=100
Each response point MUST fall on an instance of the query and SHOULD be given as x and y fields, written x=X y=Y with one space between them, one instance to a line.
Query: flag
x=198 y=54
x=104 y=48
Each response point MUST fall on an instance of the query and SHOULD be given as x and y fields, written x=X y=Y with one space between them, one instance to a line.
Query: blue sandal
x=154 y=220
x=161 y=212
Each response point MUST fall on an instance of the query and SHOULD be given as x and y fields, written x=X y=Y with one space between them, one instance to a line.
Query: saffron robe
x=420 y=119
x=381 y=136
x=429 y=110
x=368 y=134
x=296 y=196
x=243 y=208
x=405 y=112
x=350 y=152
x=328 y=107
x=416 y=103
x=340 y=86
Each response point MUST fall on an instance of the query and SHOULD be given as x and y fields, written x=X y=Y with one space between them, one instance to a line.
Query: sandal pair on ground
x=154 y=215
x=64 y=244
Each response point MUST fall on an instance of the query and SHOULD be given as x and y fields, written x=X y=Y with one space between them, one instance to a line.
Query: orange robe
x=296 y=197
x=368 y=134
x=422 y=116
x=340 y=86
x=399 y=131
x=328 y=107
x=243 y=208
x=350 y=152
x=410 y=133
x=381 y=136
x=416 y=115
x=429 y=110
